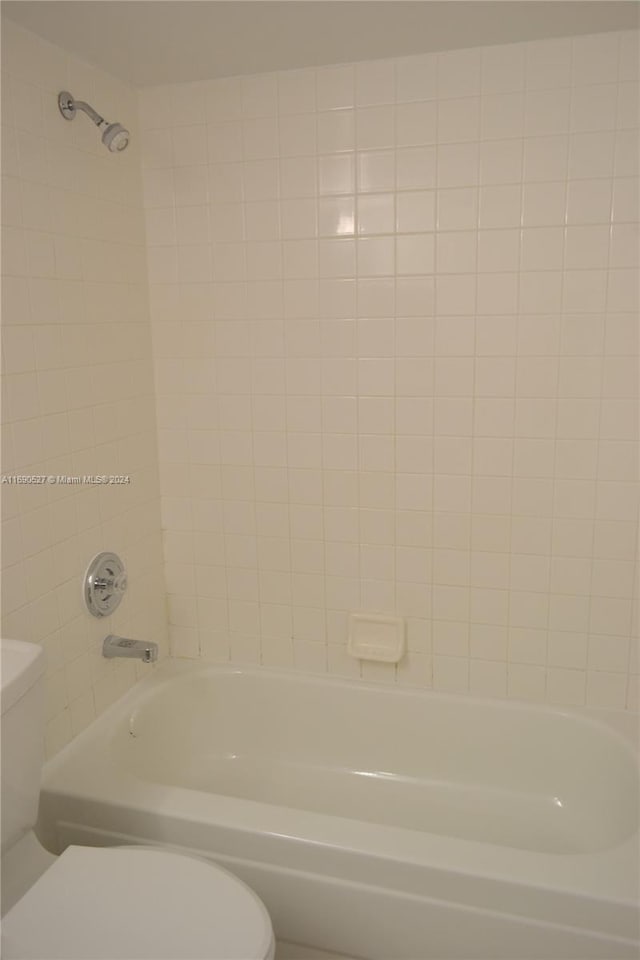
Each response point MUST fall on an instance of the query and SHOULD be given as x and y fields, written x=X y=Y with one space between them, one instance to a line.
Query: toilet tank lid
x=123 y=902
x=21 y=665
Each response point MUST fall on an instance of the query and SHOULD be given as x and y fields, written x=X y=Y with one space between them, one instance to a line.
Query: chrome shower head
x=115 y=137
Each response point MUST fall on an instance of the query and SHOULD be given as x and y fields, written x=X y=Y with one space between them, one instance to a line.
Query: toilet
x=103 y=903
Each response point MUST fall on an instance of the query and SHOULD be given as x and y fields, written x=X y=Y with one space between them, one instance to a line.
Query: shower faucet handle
x=117 y=582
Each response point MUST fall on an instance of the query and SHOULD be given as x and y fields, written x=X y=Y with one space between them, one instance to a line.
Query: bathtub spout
x=123 y=647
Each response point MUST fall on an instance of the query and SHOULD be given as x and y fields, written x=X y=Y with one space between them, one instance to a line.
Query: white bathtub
x=378 y=822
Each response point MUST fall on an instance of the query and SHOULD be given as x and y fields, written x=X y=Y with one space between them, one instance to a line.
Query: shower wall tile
x=77 y=379
x=395 y=330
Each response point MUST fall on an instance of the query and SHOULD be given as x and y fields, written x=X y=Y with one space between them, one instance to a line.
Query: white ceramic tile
x=415 y=254
x=547 y=112
x=546 y=158
x=335 y=87
x=595 y=58
x=416 y=123
x=501 y=161
x=336 y=174
x=259 y=95
x=503 y=68
x=416 y=78
x=223 y=99
x=376 y=214
x=456 y=252
x=259 y=138
x=543 y=204
x=375 y=127
x=625 y=199
x=548 y=64
x=376 y=171
x=375 y=82
x=297 y=92
x=594 y=107
x=458 y=119
x=297 y=135
x=415 y=211
x=458 y=165
x=415 y=168
x=459 y=73
x=591 y=155
x=606 y=690
x=502 y=115
x=336 y=131
x=457 y=209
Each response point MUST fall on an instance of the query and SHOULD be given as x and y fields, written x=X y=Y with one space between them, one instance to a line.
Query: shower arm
x=90 y=112
x=68 y=106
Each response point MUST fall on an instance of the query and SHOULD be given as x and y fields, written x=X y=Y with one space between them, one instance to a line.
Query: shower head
x=115 y=137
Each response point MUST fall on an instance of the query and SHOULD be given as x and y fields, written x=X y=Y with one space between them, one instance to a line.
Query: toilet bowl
x=106 y=903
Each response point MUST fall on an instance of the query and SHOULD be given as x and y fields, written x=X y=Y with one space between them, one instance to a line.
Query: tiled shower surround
x=395 y=333
x=394 y=316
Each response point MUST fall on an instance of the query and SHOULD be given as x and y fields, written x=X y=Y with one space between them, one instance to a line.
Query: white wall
x=77 y=378
x=394 y=313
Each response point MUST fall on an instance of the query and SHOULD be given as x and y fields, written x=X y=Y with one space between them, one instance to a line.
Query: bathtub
x=379 y=822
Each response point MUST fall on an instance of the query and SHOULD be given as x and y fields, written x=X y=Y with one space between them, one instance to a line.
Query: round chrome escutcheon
x=105 y=583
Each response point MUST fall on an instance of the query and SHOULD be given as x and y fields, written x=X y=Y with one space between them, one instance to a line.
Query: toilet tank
x=22 y=702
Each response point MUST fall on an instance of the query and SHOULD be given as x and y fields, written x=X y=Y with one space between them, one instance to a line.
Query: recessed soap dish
x=373 y=636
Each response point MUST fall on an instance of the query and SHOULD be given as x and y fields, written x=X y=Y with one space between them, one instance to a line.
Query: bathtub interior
x=530 y=778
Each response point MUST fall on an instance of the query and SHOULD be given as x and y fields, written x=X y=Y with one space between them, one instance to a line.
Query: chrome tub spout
x=123 y=647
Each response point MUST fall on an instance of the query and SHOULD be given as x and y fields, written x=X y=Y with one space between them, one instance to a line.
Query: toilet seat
x=128 y=902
